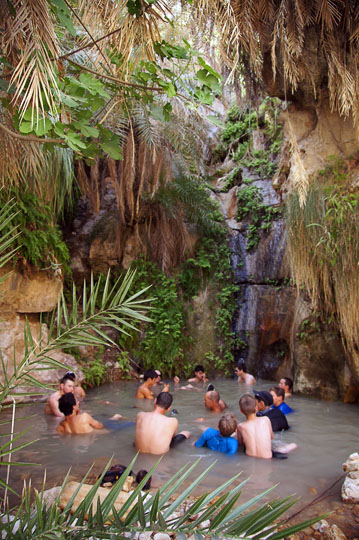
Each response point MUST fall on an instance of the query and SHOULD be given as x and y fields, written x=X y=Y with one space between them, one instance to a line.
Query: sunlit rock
x=350 y=487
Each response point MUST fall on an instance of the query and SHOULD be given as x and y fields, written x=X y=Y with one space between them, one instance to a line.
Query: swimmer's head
x=278 y=395
x=159 y=375
x=174 y=412
x=67 y=384
x=240 y=367
x=150 y=374
x=264 y=399
x=199 y=372
x=211 y=399
x=247 y=404
x=67 y=402
x=164 y=400
x=227 y=425
x=286 y=383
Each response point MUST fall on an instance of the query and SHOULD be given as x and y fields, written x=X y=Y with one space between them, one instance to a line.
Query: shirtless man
x=150 y=379
x=241 y=371
x=213 y=402
x=199 y=377
x=75 y=422
x=287 y=384
x=52 y=404
x=155 y=433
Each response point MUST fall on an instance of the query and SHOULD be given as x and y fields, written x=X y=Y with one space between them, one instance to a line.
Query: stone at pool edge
x=350 y=487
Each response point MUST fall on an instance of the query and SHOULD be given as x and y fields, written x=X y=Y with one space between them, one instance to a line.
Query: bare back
x=81 y=423
x=154 y=432
x=52 y=404
x=257 y=435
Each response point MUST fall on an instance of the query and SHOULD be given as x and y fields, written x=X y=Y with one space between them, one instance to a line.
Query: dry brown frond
x=19 y=159
x=29 y=43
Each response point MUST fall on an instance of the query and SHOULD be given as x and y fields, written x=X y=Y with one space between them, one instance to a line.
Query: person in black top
x=264 y=401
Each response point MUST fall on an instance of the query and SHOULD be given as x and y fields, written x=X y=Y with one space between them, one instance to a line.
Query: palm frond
x=96 y=518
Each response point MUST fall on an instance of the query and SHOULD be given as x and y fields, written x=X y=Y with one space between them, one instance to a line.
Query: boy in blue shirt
x=278 y=400
x=221 y=440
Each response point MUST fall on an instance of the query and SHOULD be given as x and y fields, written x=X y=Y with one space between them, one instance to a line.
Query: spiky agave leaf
x=106 y=522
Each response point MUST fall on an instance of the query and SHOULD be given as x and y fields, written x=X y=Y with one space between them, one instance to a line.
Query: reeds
x=324 y=251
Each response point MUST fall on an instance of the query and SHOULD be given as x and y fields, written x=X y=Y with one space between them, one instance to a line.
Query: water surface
x=325 y=432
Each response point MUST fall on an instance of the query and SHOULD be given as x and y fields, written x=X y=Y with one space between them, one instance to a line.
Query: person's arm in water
x=239 y=435
x=53 y=403
x=93 y=423
x=202 y=440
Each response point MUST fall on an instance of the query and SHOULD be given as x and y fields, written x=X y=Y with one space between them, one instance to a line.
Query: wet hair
x=241 y=365
x=149 y=374
x=227 y=425
x=288 y=382
x=198 y=368
x=140 y=476
x=164 y=400
x=67 y=403
x=213 y=395
x=279 y=392
x=69 y=376
x=247 y=404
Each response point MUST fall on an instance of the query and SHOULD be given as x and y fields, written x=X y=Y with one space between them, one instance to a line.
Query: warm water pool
x=326 y=433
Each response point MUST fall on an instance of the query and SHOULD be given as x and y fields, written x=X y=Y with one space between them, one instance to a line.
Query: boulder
x=352 y=463
x=32 y=294
x=350 y=488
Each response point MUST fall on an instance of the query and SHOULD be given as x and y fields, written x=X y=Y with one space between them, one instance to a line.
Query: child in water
x=221 y=440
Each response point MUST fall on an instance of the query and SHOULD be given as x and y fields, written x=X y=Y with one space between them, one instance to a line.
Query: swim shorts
x=177 y=439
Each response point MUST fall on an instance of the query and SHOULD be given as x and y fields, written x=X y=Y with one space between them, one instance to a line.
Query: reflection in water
x=326 y=433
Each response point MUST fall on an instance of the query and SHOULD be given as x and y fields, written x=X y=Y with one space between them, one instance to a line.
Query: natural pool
x=326 y=433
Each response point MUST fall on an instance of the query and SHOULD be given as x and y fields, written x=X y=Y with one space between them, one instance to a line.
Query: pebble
x=161 y=536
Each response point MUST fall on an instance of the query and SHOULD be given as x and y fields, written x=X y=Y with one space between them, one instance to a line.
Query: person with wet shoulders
x=287 y=384
x=198 y=379
x=278 y=400
x=213 y=402
x=264 y=402
x=52 y=403
x=75 y=422
x=155 y=433
x=220 y=440
x=144 y=391
x=256 y=432
x=242 y=375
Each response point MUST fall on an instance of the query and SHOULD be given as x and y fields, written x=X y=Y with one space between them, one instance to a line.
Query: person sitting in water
x=199 y=376
x=155 y=433
x=287 y=384
x=221 y=440
x=150 y=379
x=242 y=375
x=78 y=390
x=52 y=404
x=264 y=402
x=256 y=432
x=213 y=402
x=75 y=422
x=278 y=400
